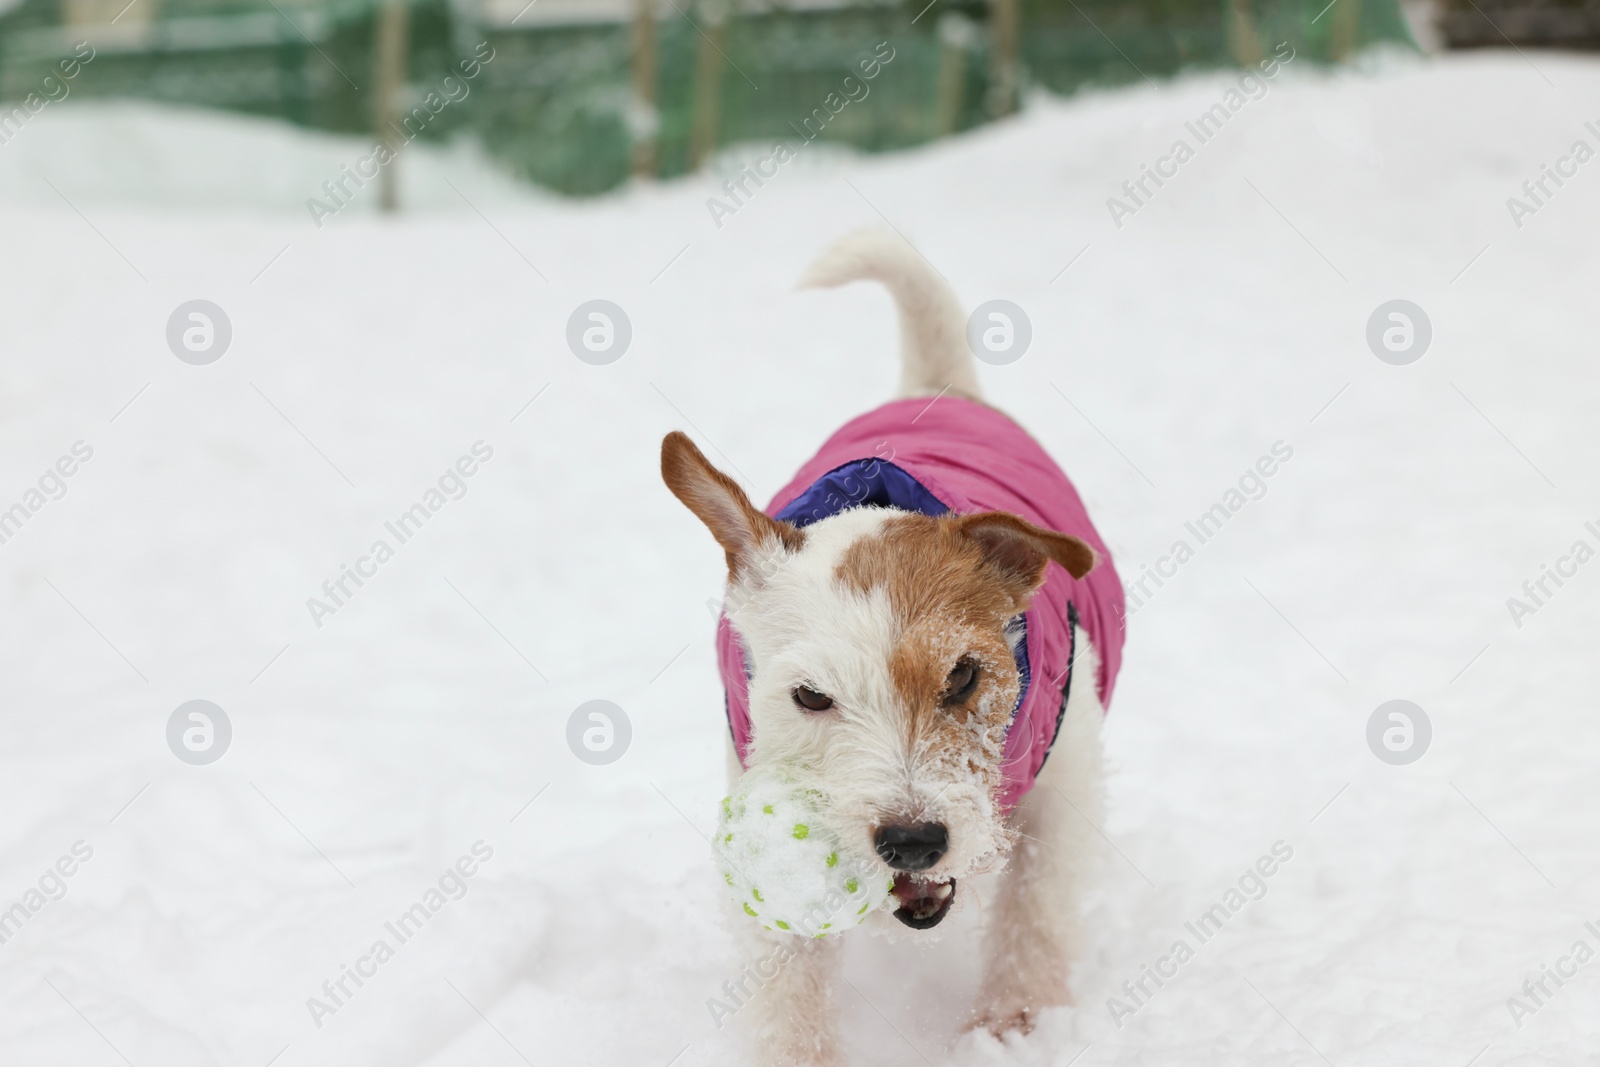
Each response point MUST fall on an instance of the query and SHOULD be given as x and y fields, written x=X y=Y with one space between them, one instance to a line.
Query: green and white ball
x=783 y=869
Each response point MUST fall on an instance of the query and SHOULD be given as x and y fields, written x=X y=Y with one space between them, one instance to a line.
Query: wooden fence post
x=1345 y=30
x=955 y=40
x=393 y=33
x=1004 y=33
x=1243 y=43
x=708 y=63
x=644 y=119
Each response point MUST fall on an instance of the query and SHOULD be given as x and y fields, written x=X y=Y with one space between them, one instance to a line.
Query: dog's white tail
x=934 y=357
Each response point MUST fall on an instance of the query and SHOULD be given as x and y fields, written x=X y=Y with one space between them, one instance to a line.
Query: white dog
x=912 y=629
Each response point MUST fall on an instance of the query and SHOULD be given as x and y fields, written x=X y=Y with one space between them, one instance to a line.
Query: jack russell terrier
x=913 y=625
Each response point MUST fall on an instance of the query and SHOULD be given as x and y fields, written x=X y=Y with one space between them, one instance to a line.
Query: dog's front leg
x=792 y=1016
x=1034 y=923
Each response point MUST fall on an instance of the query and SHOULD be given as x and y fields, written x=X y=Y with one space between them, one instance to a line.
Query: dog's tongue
x=919 y=894
x=923 y=903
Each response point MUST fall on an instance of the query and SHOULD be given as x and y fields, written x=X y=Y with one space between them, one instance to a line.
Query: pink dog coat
x=963 y=456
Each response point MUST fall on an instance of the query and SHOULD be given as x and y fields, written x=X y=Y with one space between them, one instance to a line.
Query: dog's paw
x=792 y=1042
x=1012 y=1014
x=1000 y=1022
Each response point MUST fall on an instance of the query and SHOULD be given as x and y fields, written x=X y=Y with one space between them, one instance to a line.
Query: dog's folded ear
x=743 y=530
x=1020 y=551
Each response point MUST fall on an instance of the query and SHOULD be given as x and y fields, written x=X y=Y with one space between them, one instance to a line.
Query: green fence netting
x=556 y=102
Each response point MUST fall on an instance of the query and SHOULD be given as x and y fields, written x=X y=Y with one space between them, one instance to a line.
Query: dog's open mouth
x=923 y=904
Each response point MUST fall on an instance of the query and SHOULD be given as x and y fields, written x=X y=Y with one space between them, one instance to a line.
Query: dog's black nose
x=912 y=848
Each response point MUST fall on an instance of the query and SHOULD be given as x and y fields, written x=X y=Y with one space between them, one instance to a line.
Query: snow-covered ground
x=428 y=711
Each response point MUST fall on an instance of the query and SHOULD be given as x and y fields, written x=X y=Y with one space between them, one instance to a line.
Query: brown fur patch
x=951 y=599
x=716 y=499
x=1021 y=550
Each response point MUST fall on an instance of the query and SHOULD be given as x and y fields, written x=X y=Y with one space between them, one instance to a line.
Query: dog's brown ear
x=716 y=499
x=1020 y=551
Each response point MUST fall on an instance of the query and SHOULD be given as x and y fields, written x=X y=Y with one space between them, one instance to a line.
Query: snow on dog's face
x=881 y=669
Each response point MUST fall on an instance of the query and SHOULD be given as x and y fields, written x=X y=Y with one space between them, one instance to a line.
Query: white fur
x=1034 y=926
x=934 y=357
x=1033 y=922
x=802 y=625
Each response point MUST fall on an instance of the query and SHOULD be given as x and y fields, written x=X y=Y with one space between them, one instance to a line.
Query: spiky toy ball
x=783 y=868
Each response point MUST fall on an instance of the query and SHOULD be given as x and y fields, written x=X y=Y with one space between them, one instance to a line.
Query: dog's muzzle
x=923 y=904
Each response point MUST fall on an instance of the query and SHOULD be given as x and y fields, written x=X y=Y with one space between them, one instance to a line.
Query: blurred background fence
x=579 y=94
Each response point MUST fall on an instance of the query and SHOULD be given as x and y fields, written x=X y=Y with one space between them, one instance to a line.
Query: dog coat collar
x=963 y=456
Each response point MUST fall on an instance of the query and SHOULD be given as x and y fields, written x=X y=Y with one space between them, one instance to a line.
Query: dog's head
x=882 y=671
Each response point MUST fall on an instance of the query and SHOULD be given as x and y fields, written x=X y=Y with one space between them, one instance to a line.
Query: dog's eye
x=962 y=681
x=812 y=700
